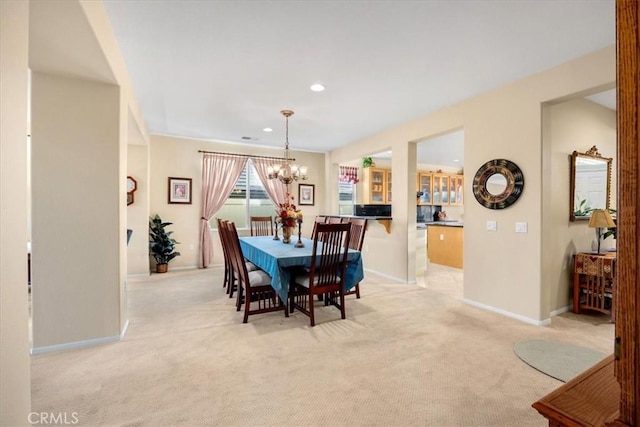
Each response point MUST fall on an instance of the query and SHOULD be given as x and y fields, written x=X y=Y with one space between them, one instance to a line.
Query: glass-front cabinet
x=425 y=185
x=376 y=180
x=388 y=187
x=456 y=183
x=440 y=189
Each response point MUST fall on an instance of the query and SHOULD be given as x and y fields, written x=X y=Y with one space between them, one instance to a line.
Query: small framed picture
x=180 y=190
x=306 y=194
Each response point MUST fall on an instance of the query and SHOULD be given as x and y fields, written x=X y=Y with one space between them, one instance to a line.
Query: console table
x=593 y=282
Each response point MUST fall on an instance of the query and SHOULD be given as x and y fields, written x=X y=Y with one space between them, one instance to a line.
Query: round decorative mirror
x=498 y=184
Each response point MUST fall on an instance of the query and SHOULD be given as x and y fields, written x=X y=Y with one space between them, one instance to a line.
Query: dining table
x=280 y=259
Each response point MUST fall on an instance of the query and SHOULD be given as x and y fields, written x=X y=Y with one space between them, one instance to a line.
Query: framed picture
x=180 y=190
x=306 y=194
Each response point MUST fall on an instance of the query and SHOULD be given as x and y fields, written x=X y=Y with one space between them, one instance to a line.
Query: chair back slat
x=358 y=229
x=262 y=226
x=328 y=267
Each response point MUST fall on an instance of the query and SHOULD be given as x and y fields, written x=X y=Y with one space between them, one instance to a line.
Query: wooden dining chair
x=327 y=272
x=356 y=239
x=261 y=226
x=228 y=272
x=254 y=287
x=335 y=220
x=320 y=219
x=229 y=278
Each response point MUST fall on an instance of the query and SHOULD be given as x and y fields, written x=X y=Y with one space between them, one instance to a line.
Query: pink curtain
x=274 y=188
x=219 y=176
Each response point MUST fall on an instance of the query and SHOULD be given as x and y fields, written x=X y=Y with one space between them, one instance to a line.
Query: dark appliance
x=426 y=213
x=373 y=210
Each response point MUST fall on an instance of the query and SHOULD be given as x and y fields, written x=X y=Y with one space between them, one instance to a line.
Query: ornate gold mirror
x=590 y=183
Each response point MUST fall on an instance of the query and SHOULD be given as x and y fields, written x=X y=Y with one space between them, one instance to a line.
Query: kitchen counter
x=384 y=220
x=451 y=223
x=445 y=240
x=362 y=216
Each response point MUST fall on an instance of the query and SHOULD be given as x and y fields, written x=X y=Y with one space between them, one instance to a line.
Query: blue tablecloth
x=277 y=258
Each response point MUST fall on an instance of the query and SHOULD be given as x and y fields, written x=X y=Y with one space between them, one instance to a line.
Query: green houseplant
x=368 y=162
x=161 y=244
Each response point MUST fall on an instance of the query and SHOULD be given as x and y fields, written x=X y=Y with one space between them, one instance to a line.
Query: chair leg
x=312 y=318
x=239 y=298
x=358 y=290
x=342 y=310
x=247 y=304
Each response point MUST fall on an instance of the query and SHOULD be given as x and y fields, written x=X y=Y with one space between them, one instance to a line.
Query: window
x=346 y=198
x=248 y=198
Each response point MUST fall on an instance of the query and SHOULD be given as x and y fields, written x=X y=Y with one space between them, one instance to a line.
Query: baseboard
x=76 y=344
x=560 y=311
x=395 y=279
x=508 y=313
x=139 y=275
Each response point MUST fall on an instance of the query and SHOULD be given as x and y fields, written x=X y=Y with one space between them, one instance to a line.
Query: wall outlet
x=192 y=247
x=521 y=227
x=492 y=225
x=442 y=237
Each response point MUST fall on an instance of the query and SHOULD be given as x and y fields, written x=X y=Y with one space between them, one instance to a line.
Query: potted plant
x=161 y=244
x=367 y=162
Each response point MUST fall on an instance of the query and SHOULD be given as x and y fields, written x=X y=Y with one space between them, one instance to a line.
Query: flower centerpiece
x=288 y=216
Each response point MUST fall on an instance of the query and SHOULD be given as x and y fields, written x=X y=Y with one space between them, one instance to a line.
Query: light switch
x=492 y=226
x=521 y=227
x=442 y=237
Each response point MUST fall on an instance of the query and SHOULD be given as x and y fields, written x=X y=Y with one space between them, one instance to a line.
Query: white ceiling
x=223 y=70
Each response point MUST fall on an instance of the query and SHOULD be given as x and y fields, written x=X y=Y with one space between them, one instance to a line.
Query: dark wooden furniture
x=320 y=219
x=262 y=226
x=327 y=272
x=255 y=286
x=356 y=239
x=590 y=399
x=594 y=281
x=228 y=281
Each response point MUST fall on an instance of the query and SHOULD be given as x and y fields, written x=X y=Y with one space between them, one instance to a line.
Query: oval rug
x=558 y=360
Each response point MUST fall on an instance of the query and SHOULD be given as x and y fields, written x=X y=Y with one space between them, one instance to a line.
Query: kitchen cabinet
x=388 y=187
x=425 y=184
x=456 y=186
x=441 y=189
x=445 y=245
x=377 y=183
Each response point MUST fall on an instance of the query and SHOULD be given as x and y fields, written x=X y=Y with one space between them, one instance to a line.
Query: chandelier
x=288 y=171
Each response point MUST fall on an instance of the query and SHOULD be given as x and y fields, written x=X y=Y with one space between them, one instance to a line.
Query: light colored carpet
x=559 y=360
x=407 y=355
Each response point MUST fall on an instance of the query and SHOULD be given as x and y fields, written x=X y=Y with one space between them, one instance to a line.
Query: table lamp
x=600 y=219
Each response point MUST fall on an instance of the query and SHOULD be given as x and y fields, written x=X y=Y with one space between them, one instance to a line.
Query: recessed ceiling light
x=456 y=160
x=267 y=130
x=317 y=87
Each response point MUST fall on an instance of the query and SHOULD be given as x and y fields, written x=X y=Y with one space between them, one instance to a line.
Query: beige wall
x=178 y=157
x=138 y=212
x=503 y=269
x=572 y=125
x=15 y=377
x=77 y=201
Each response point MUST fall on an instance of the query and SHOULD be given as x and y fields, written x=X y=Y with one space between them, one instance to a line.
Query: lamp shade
x=601 y=219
